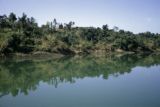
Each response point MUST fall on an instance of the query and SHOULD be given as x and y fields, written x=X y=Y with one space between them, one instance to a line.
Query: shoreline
x=57 y=55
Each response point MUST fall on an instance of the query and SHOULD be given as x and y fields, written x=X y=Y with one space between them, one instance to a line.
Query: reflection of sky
x=133 y=15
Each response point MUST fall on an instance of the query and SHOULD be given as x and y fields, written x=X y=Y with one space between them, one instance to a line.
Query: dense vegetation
x=23 y=35
x=21 y=76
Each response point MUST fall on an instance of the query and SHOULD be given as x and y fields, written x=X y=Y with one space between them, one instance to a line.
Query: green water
x=112 y=81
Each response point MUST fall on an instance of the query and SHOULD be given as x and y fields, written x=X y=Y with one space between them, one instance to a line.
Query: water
x=112 y=81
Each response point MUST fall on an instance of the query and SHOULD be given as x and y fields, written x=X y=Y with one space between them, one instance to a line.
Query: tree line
x=23 y=35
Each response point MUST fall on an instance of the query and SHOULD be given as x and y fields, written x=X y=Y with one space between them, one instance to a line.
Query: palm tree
x=12 y=18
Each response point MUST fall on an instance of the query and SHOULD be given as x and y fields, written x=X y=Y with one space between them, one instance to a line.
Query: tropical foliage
x=23 y=35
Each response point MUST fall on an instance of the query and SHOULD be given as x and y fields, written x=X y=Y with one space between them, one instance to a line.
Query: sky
x=133 y=15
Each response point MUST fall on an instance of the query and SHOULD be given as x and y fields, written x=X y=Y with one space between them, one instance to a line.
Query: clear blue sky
x=133 y=15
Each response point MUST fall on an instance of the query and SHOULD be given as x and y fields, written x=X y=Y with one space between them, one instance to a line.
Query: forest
x=24 y=35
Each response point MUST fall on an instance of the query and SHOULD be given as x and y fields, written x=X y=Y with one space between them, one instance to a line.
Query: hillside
x=23 y=35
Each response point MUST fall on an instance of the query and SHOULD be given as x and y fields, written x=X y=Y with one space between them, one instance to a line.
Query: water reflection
x=21 y=76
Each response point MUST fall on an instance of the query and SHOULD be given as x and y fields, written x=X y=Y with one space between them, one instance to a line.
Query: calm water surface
x=112 y=81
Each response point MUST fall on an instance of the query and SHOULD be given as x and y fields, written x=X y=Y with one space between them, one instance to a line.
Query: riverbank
x=97 y=53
